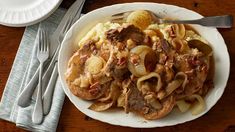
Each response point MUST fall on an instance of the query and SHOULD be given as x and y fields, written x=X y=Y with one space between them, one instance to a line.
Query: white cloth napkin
x=24 y=66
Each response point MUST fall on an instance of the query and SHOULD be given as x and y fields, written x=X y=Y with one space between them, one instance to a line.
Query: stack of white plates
x=19 y=13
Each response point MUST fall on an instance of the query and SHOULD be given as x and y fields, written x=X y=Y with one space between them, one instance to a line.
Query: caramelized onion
x=199 y=106
x=182 y=76
x=158 y=84
x=113 y=94
x=182 y=105
x=153 y=101
x=172 y=86
x=179 y=30
x=101 y=106
x=94 y=64
x=147 y=60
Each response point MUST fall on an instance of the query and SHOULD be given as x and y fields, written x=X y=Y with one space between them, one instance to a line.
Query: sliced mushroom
x=204 y=48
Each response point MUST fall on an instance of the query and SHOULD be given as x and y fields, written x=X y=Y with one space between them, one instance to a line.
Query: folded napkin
x=24 y=67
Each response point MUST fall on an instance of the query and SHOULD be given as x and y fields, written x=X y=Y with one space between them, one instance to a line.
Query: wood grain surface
x=220 y=118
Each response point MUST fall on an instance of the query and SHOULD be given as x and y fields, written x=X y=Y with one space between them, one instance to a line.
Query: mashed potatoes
x=97 y=33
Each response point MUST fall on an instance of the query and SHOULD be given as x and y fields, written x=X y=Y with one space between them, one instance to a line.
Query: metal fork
x=42 y=55
x=225 y=21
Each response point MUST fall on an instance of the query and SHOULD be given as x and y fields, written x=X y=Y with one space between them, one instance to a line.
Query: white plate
x=18 y=13
x=118 y=117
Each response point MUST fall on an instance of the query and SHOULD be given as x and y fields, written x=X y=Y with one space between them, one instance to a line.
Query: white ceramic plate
x=18 y=13
x=118 y=117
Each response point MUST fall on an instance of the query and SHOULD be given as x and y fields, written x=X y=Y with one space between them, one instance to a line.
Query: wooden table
x=220 y=118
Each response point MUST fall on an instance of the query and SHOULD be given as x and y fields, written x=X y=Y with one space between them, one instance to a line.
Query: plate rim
x=48 y=6
x=127 y=125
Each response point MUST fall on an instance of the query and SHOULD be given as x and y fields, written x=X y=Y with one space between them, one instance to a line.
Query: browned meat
x=95 y=88
x=167 y=106
x=124 y=33
x=88 y=47
x=91 y=93
x=165 y=46
x=196 y=68
x=134 y=100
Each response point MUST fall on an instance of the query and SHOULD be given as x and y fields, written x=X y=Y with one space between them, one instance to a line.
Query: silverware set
x=45 y=81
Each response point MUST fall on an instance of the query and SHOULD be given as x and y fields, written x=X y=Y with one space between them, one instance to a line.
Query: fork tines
x=43 y=43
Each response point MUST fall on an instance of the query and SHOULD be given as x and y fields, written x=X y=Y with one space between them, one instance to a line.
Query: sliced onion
x=182 y=76
x=139 y=69
x=101 y=106
x=182 y=105
x=172 y=86
x=180 y=45
x=113 y=94
x=153 y=101
x=199 y=106
x=141 y=80
x=94 y=64
x=121 y=100
x=179 y=30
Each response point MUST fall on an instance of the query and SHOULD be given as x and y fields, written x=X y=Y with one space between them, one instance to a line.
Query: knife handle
x=47 y=97
x=24 y=98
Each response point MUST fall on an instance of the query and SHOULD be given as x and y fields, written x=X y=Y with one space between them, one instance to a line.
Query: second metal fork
x=42 y=55
x=225 y=21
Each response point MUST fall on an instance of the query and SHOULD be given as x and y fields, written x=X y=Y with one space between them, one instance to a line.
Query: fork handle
x=37 y=116
x=25 y=96
x=225 y=21
x=47 y=97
